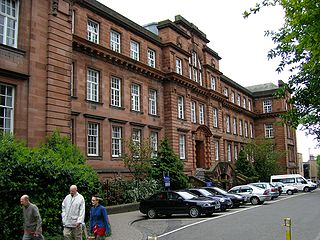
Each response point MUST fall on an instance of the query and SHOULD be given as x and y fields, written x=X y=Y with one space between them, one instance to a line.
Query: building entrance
x=200 y=156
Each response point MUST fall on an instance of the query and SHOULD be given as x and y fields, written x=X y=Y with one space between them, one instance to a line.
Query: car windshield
x=221 y=191
x=205 y=192
x=187 y=195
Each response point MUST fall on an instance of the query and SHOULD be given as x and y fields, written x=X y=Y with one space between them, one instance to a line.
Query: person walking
x=99 y=221
x=32 y=224
x=73 y=212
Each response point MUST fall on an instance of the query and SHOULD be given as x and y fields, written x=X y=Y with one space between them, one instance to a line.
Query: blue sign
x=166 y=180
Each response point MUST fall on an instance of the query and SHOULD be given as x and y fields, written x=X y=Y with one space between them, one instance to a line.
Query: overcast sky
x=239 y=42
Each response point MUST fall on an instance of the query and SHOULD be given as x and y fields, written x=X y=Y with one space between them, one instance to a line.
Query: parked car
x=274 y=191
x=236 y=199
x=178 y=202
x=288 y=189
x=225 y=202
x=295 y=180
x=255 y=195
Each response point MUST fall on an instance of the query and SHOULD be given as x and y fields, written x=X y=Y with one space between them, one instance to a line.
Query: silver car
x=253 y=194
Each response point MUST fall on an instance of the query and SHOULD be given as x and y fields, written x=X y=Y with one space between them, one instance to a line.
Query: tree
x=264 y=156
x=297 y=44
x=169 y=163
x=244 y=166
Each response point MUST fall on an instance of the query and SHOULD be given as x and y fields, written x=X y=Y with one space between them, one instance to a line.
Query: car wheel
x=151 y=213
x=194 y=212
x=306 y=189
x=254 y=200
x=223 y=209
x=289 y=192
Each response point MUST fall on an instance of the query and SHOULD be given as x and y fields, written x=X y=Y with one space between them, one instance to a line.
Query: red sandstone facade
x=81 y=67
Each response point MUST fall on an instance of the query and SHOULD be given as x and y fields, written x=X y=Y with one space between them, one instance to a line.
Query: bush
x=45 y=174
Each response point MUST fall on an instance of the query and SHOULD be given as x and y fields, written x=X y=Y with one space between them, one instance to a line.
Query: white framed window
x=154 y=144
x=240 y=127
x=268 y=130
x=9 y=15
x=93 y=139
x=201 y=114
x=72 y=20
x=195 y=68
x=249 y=105
x=134 y=50
x=151 y=58
x=6 y=108
x=182 y=146
x=234 y=124
x=93 y=31
x=115 y=92
x=215 y=117
x=226 y=92
x=232 y=97
x=136 y=136
x=178 y=66
x=193 y=111
x=267 y=106
x=180 y=107
x=135 y=97
x=115 y=41
x=72 y=83
x=229 y=154
x=216 y=150
x=213 y=83
x=246 y=129
x=228 y=124
x=92 y=85
x=236 y=152
x=116 y=141
x=244 y=103
x=251 y=130
x=152 y=102
x=239 y=100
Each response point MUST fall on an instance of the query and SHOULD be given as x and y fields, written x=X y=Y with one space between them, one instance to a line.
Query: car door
x=176 y=203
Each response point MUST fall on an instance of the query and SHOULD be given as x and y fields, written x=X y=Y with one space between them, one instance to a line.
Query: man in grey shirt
x=73 y=211
x=32 y=224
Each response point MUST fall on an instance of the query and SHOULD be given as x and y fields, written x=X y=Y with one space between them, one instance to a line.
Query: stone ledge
x=129 y=207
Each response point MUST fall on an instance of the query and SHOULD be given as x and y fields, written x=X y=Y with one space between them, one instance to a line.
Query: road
x=263 y=222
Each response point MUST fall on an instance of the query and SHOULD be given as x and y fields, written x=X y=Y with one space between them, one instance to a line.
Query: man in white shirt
x=73 y=212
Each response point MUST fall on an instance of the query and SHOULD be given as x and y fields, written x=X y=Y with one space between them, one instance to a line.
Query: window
x=180 y=107
x=9 y=22
x=72 y=21
x=244 y=103
x=115 y=41
x=178 y=66
x=245 y=129
x=229 y=152
x=135 y=97
x=182 y=146
x=227 y=123
x=215 y=117
x=267 y=106
x=226 y=92
x=201 y=114
x=115 y=92
x=93 y=31
x=134 y=50
x=195 y=68
x=268 y=130
x=72 y=79
x=249 y=105
x=136 y=137
x=116 y=141
x=216 y=148
x=93 y=139
x=92 y=85
x=234 y=124
x=152 y=102
x=236 y=152
x=154 y=144
x=6 y=108
x=239 y=100
x=232 y=97
x=213 y=83
x=251 y=130
x=240 y=128
x=193 y=111
x=151 y=58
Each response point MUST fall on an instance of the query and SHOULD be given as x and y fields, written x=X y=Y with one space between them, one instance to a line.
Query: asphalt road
x=262 y=222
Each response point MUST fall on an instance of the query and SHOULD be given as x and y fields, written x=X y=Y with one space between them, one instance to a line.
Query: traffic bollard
x=287 y=224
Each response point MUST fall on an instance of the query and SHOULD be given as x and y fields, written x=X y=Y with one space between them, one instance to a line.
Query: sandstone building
x=81 y=67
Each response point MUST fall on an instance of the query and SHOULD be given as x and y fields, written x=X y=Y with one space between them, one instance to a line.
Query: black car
x=178 y=202
x=236 y=199
x=225 y=202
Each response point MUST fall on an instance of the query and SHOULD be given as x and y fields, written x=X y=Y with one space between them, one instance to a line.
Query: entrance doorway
x=200 y=156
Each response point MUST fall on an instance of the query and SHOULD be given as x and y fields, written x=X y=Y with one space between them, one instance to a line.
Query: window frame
x=181 y=107
x=135 y=97
x=179 y=66
x=182 y=146
x=116 y=141
x=267 y=106
x=134 y=50
x=153 y=102
x=91 y=35
x=151 y=57
x=9 y=108
x=201 y=114
x=93 y=86
x=115 y=41
x=268 y=131
x=95 y=139
x=12 y=17
x=193 y=112
x=115 y=92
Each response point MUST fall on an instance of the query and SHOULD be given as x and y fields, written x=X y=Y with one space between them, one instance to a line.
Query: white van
x=295 y=180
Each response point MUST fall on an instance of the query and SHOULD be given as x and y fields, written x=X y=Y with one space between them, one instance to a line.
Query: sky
x=241 y=43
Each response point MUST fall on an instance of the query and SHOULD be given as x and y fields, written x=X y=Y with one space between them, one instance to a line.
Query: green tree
x=297 y=45
x=169 y=163
x=244 y=166
x=264 y=156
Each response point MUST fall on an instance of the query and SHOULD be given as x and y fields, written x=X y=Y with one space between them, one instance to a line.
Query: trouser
x=72 y=233
x=31 y=236
x=100 y=237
